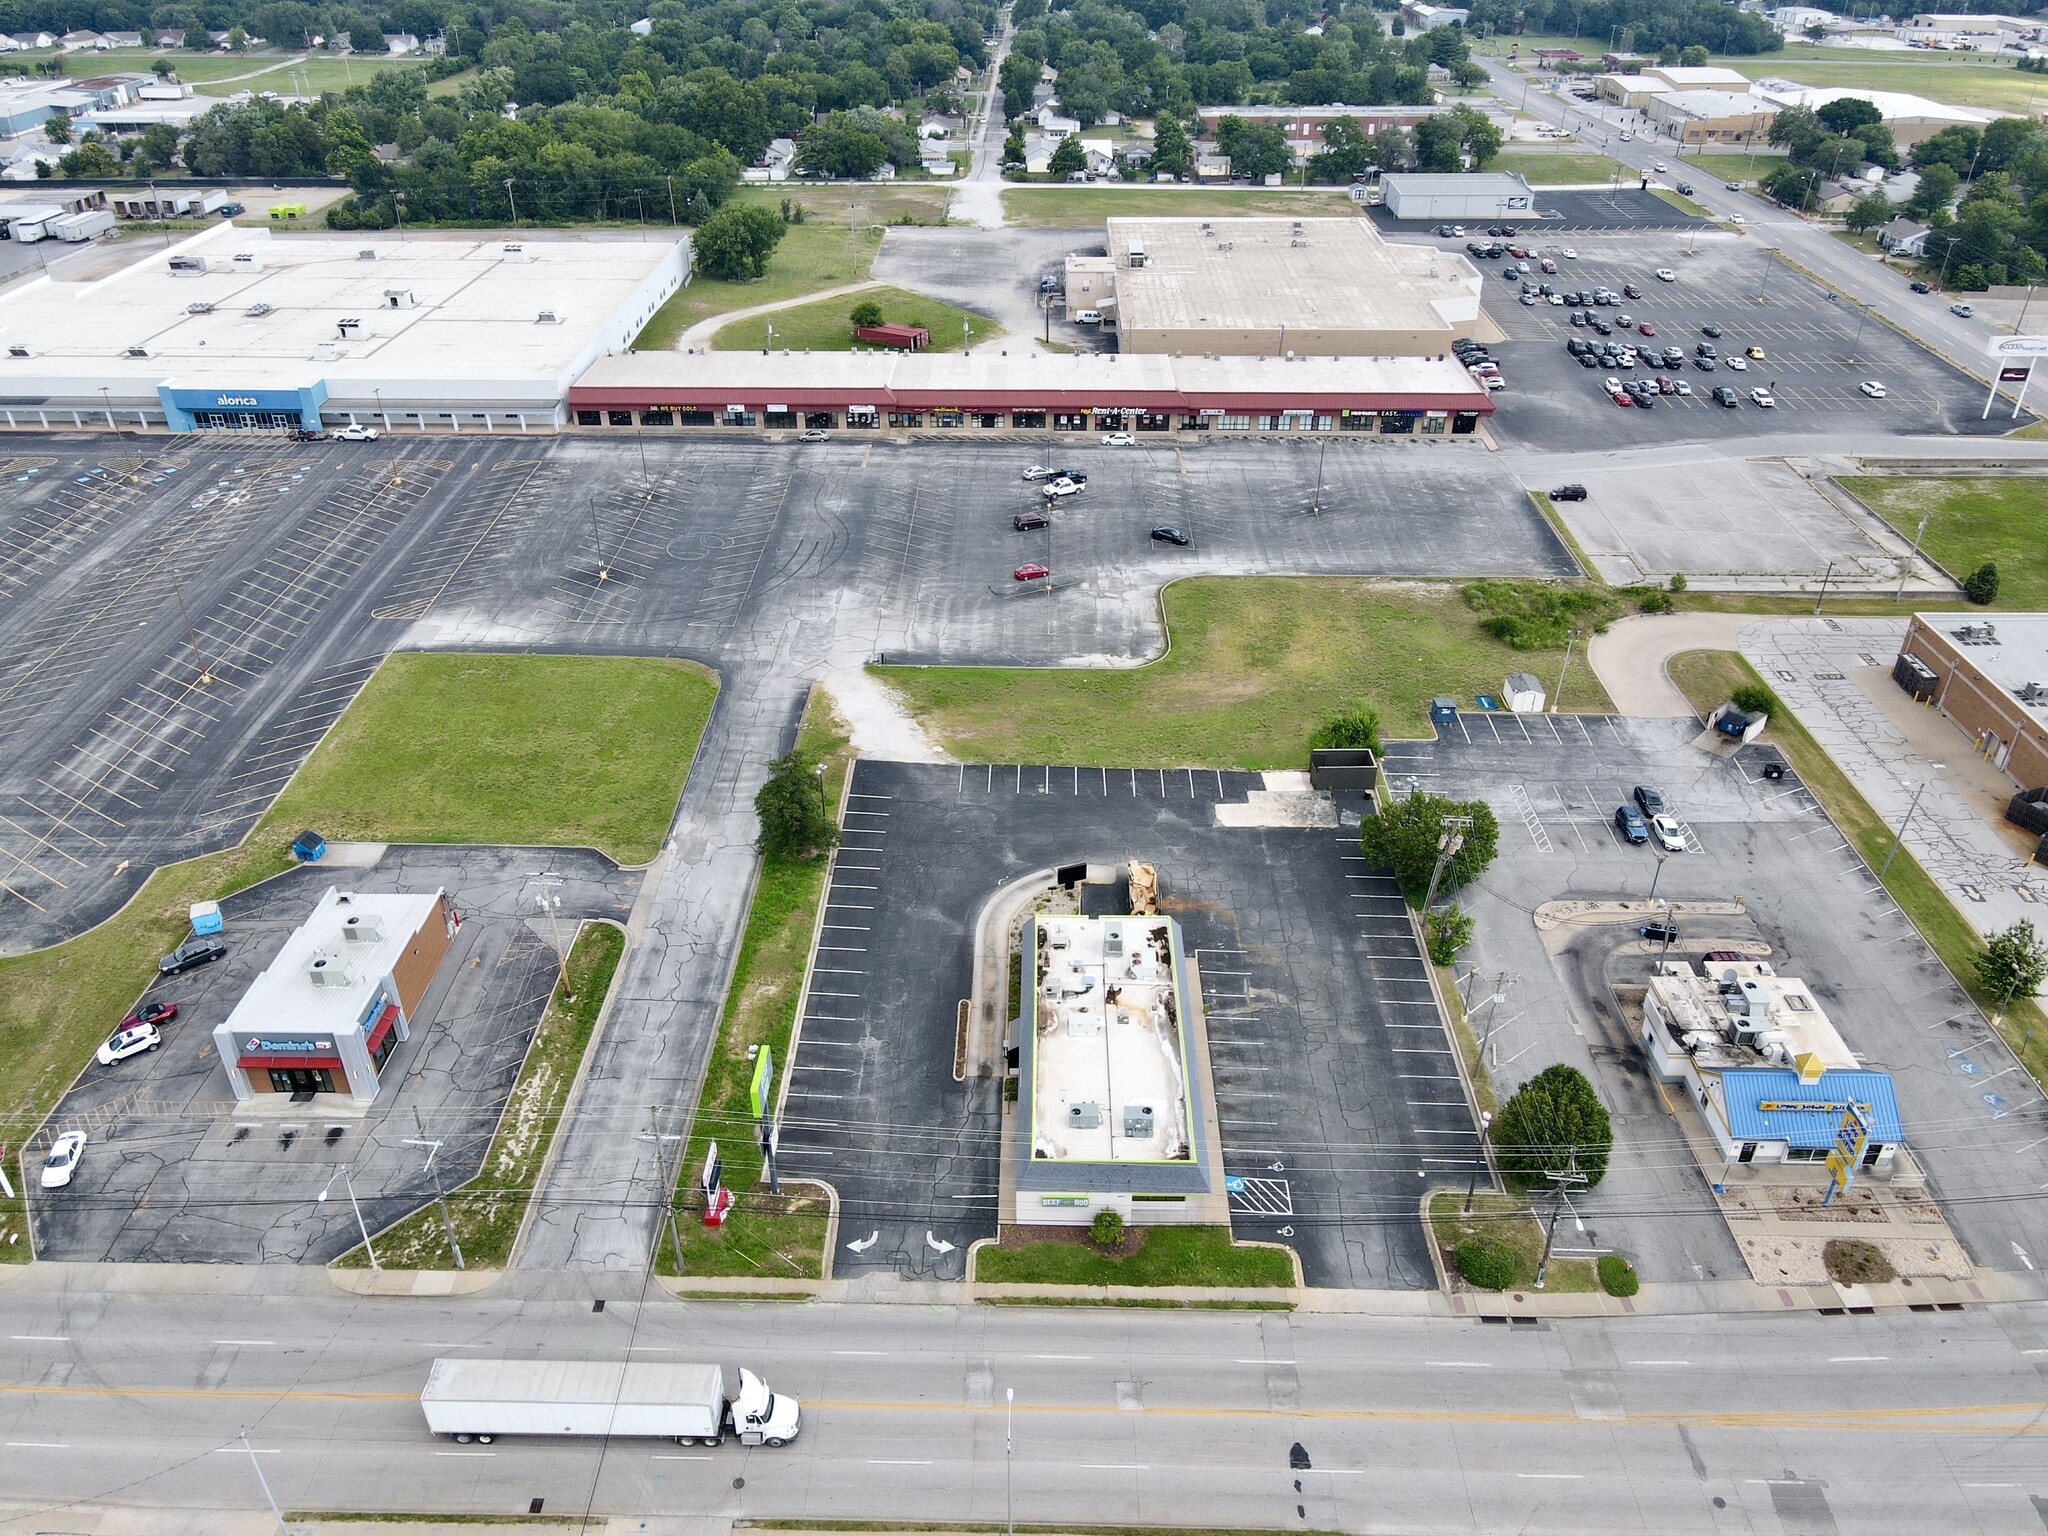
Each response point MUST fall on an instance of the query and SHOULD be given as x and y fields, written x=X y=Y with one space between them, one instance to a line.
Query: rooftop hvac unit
x=248 y=261
x=399 y=298
x=1299 y=245
x=1113 y=942
x=1138 y=1120
x=257 y=311
x=362 y=928
x=548 y=317
x=2034 y=693
x=1084 y=1117
x=201 y=308
x=346 y=327
x=514 y=252
x=328 y=971
x=366 y=254
x=185 y=266
x=136 y=352
x=18 y=350
x=1979 y=633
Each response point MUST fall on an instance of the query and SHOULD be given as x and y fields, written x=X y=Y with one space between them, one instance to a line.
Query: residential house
x=170 y=37
x=72 y=41
x=398 y=44
x=125 y=40
x=1837 y=197
x=1211 y=165
x=34 y=39
x=642 y=27
x=774 y=164
x=1051 y=123
x=1424 y=18
x=1903 y=237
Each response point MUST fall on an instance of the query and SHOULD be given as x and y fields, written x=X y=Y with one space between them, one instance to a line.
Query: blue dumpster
x=308 y=846
x=205 y=916
x=1442 y=710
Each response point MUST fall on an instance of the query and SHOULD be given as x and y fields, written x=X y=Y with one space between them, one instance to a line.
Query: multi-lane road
x=124 y=1389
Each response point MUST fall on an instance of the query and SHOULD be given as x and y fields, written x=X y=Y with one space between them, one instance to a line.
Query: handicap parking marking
x=1260 y=1195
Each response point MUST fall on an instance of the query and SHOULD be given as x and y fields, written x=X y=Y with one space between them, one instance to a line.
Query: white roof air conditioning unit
x=201 y=308
x=548 y=317
x=136 y=352
x=366 y=254
x=328 y=971
x=18 y=350
x=362 y=928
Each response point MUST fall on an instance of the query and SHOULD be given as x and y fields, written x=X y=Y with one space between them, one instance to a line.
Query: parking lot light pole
x=1448 y=842
x=1912 y=558
x=1770 y=256
x=1899 y=836
x=1570 y=636
x=1009 y=1442
x=551 y=903
x=342 y=1174
x=1825 y=576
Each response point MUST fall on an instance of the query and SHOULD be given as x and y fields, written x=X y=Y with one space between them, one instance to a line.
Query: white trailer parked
x=483 y=1399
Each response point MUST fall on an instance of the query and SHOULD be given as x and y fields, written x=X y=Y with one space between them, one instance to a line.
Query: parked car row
x=139 y=1032
x=1646 y=821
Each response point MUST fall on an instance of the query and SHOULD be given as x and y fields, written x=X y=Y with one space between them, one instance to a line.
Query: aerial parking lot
x=1817 y=352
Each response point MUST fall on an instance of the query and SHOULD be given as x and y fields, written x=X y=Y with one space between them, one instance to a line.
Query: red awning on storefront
x=386 y=1022
x=332 y=1062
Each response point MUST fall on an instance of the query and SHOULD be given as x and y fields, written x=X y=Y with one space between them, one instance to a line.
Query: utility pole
x=1563 y=1181
x=1912 y=559
x=515 y=201
x=1009 y=1441
x=1824 y=578
x=668 y=1185
x=440 y=1199
x=550 y=900
x=205 y=677
x=1899 y=836
x=1570 y=636
x=1448 y=842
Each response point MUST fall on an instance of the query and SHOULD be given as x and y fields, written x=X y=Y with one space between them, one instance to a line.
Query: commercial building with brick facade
x=1989 y=674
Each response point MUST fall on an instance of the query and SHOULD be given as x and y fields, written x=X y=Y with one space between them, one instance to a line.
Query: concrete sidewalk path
x=700 y=334
x=1631 y=658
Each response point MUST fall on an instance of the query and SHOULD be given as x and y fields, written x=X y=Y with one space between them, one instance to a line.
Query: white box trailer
x=76 y=227
x=483 y=1399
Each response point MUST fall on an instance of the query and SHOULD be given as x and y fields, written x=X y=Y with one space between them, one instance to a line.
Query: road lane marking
x=874 y=1461
x=1857 y=1359
x=36 y=1445
x=40 y=1338
x=1656 y=1362
x=1560 y=1477
x=661 y=1456
x=252 y=1343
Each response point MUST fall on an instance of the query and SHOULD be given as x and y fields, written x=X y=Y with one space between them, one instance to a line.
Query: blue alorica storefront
x=192 y=410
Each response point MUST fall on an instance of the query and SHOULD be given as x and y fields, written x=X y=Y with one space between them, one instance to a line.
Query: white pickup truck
x=479 y=1400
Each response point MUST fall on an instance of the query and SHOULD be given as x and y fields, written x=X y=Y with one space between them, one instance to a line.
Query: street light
x=515 y=201
x=549 y=900
x=342 y=1174
x=1009 y=1442
x=1912 y=558
x=1899 y=836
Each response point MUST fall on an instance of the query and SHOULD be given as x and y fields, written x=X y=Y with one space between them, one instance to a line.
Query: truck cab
x=762 y=1417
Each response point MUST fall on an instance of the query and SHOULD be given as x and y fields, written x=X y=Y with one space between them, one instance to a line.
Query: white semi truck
x=482 y=1399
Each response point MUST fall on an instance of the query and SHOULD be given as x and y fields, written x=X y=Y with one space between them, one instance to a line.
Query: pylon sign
x=1851 y=1137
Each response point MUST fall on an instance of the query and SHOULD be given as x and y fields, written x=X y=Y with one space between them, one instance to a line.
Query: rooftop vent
x=548 y=317
x=201 y=308
x=257 y=311
x=366 y=254
x=136 y=352
x=347 y=326
x=399 y=298
x=18 y=350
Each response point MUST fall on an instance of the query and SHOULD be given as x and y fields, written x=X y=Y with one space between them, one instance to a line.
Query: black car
x=1705 y=349
x=194 y=951
x=1496 y=231
x=1168 y=535
x=1024 y=522
x=309 y=434
x=1588 y=360
x=1920 y=285
x=1723 y=395
x=1713 y=331
x=1659 y=933
x=1651 y=803
x=1704 y=364
x=1578 y=317
x=1632 y=290
x=1508 y=230
x=1074 y=475
x=1569 y=493
x=1629 y=822
x=229 y=210
x=1685 y=189
x=1603 y=327
x=1647 y=401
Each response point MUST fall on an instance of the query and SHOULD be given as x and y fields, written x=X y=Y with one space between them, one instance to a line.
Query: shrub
x=866 y=313
x=1485 y=1263
x=1755 y=699
x=1535 y=615
x=1357 y=726
x=1402 y=837
x=1449 y=930
x=1555 y=1122
x=1106 y=1230
x=1618 y=1276
x=796 y=822
x=1656 y=602
x=1678 y=581
x=1851 y=1261
x=1981 y=585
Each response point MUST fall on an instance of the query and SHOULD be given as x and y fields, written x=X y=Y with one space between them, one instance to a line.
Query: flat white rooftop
x=1780 y=1011
x=423 y=309
x=1257 y=274
x=2009 y=650
x=324 y=977
x=1109 y=1078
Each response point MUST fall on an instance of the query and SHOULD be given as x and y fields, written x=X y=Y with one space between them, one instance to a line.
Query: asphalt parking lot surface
x=1337 y=1096
x=1621 y=208
x=129 y=739
x=1972 y=1117
x=1817 y=351
x=176 y=1170
x=994 y=272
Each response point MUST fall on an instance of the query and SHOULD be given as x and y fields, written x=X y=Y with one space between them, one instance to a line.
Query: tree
x=1845 y=114
x=866 y=313
x=795 y=821
x=1068 y=157
x=1256 y=150
x=1792 y=185
x=1403 y=837
x=1693 y=56
x=1554 y=1123
x=57 y=127
x=735 y=243
x=91 y=159
x=1172 y=152
x=1356 y=727
x=1981 y=587
x=237 y=38
x=1937 y=190
x=835 y=148
x=1013 y=148
x=1868 y=211
x=1954 y=147
x=2012 y=964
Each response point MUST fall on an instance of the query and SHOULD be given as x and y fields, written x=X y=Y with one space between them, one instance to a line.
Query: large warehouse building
x=1487 y=196
x=235 y=329
x=1990 y=676
x=1270 y=287
x=994 y=390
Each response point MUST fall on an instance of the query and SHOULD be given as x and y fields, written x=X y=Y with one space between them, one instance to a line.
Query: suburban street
x=132 y=1387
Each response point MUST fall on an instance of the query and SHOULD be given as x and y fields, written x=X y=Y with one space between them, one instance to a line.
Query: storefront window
x=947 y=419
x=819 y=420
x=906 y=418
x=1194 y=423
x=1464 y=422
x=1358 y=421
x=1067 y=421
x=657 y=418
x=619 y=418
x=737 y=419
x=1232 y=423
x=1398 y=423
x=1030 y=420
x=1147 y=422
x=779 y=419
x=860 y=417
x=695 y=419
x=590 y=418
x=989 y=420
x=1436 y=423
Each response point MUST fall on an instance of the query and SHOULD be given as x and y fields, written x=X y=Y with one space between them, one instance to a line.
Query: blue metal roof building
x=1771 y=1104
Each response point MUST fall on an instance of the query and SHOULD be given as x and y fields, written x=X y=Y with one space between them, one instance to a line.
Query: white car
x=1556 y=298
x=355 y=433
x=1872 y=388
x=1762 y=398
x=1667 y=833
x=814 y=435
x=132 y=1041
x=1119 y=440
x=62 y=1162
x=1736 y=218
x=1038 y=472
x=1681 y=386
x=1666 y=275
x=1610 y=385
x=1660 y=166
x=1569 y=254
x=1053 y=490
x=1740 y=365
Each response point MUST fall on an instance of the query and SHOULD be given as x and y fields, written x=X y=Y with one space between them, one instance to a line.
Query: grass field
x=1255 y=663
x=1723 y=166
x=1960 y=80
x=1167 y=1256
x=1508 y=1220
x=463 y=748
x=764 y=1236
x=825 y=326
x=1559 y=167
x=1970 y=521
x=1497 y=46
x=487 y=1211
x=1076 y=207
x=223 y=74
x=1706 y=678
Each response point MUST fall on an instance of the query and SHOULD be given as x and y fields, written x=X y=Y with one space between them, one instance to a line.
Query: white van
x=1087 y=317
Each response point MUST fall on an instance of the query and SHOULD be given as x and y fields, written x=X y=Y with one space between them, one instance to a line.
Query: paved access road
x=1767 y=1424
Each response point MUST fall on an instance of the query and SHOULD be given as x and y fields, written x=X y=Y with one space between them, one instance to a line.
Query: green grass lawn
x=1508 y=1220
x=1970 y=521
x=825 y=326
x=487 y=1211
x=1255 y=663
x=810 y=257
x=1724 y=166
x=1202 y=1256
x=1558 y=167
x=765 y=1236
x=1960 y=80
x=1499 y=43
x=1707 y=678
x=1076 y=207
x=464 y=748
x=223 y=74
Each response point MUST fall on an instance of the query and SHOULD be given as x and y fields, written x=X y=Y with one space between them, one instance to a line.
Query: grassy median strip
x=1201 y=1256
x=486 y=1212
x=1509 y=1221
x=465 y=747
x=1255 y=663
x=1969 y=520
x=765 y=1236
x=1706 y=678
x=1087 y=207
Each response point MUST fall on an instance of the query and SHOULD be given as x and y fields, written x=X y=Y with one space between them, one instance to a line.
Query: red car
x=1646 y=329
x=1623 y=397
x=151 y=1012
x=1032 y=572
x=1517 y=252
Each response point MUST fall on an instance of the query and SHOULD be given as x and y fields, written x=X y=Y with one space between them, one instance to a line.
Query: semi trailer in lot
x=482 y=1399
